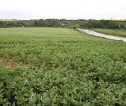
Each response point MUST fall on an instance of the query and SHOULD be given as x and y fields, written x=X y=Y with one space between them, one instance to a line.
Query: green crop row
x=63 y=68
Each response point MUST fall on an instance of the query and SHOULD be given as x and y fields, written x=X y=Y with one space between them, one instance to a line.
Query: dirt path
x=91 y=32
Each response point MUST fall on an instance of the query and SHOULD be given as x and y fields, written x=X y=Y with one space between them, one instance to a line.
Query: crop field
x=60 y=67
x=114 y=32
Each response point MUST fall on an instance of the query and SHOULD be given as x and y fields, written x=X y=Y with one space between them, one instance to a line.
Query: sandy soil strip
x=91 y=32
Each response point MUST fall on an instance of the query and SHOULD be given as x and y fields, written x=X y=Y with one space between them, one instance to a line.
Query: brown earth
x=9 y=63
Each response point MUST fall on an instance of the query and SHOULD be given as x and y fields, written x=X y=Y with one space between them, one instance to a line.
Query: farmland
x=60 y=67
x=114 y=32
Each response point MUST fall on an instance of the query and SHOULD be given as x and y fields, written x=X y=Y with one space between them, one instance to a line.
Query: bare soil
x=9 y=63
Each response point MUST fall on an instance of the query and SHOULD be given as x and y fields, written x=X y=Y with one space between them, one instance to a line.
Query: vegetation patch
x=67 y=68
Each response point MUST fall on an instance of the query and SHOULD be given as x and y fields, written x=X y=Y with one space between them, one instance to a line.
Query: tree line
x=111 y=24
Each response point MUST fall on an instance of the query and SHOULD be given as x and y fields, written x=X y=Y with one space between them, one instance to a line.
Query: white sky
x=68 y=9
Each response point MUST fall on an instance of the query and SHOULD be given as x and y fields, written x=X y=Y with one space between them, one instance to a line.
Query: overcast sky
x=68 y=9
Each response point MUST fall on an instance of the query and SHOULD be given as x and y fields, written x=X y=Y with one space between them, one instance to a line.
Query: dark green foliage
x=60 y=86
x=111 y=24
x=105 y=24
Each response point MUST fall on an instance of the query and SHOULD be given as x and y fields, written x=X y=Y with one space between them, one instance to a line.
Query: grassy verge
x=114 y=32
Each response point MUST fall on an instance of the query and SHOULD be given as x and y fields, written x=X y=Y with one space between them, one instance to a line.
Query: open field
x=114 y=32
x=60 y=67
